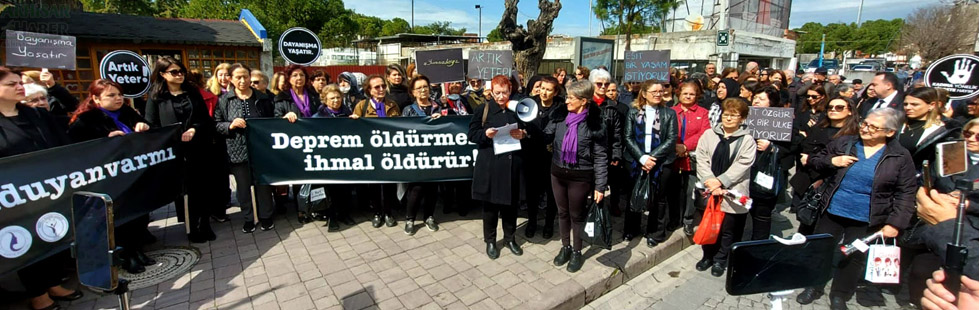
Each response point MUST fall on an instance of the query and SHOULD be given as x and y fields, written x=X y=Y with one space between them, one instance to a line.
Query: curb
x=624 y=262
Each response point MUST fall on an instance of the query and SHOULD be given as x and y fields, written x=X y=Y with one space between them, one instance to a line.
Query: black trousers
x=571 y=195
x=620 y=184
x=761 y=214
x=508 y=218
x=131 y=235
x=850 y=269
x=420 y=195
x=731 y=231
x=542 y=188
x=659 y=210
x=692 y=204
x=263 y=193
x=456 y=195
x=340 y=200
x=382 y=197
x=44 y=274
x=924 y=263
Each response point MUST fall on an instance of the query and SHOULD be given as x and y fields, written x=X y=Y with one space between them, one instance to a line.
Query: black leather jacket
x=591 y=153
x=665 y=153
x=612 y=118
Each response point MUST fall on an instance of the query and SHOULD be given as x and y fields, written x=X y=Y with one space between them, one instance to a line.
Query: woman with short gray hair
x=870 y=188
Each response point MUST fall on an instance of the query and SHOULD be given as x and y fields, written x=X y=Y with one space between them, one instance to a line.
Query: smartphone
x=92 y=227
x=926 y=176
x=951 y=158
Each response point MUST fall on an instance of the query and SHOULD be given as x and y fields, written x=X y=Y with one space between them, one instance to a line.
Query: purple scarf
x=569 y=144
x=115 y=118
x=304 y=106
x=379 y=107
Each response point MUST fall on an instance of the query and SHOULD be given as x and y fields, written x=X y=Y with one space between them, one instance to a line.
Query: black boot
x=549 y=230
x=144 y=259
x=130 y=264
x=576 y=262
x=809 y=295
x=563 y=255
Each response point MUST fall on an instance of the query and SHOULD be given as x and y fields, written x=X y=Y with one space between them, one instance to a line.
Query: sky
x=573 y=19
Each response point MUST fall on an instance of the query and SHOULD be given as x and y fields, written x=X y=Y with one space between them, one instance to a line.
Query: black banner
x=366 y=150
x=141 y=172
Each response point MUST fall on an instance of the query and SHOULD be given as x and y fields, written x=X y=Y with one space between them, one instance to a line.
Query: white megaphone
x=526 y=109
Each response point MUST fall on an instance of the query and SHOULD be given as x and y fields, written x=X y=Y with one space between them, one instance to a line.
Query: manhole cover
x=171 y=263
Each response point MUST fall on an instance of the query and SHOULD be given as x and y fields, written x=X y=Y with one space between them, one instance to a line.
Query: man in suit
x=889 y=93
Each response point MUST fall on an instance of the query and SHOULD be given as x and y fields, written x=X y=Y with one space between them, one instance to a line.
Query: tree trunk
x=528 y=44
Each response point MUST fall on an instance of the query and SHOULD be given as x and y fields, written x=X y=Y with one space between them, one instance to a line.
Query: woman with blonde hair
x=220 y=79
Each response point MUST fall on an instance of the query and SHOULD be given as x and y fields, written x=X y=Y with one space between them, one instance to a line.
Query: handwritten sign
x=487 y=64
x=774 y=124
x=40 y=50
x=129 y=69
x=441 y=65
x=647 y=65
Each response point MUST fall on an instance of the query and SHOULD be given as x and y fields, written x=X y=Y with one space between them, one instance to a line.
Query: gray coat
x=737 y=176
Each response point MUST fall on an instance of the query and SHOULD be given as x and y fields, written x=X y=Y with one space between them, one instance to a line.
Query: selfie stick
x=122 y=286
x=955 y=251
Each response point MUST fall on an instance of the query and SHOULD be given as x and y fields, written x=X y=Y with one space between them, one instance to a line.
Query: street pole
x=861 y=7
x=480 y=27
x=590 y=18
x=823 y=42
x=413 y=16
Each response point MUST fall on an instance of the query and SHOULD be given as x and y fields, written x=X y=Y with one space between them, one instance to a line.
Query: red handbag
x=710 y=223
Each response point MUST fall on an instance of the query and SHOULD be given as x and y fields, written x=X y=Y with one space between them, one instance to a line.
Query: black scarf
x=722 y=158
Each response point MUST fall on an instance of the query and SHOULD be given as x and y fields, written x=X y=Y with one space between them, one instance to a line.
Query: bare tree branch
x=528 y=44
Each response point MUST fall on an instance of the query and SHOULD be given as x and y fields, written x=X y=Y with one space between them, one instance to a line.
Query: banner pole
x=187 y=216
x=255 y=209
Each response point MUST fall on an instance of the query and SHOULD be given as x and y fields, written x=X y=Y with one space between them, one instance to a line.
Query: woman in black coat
x=397 y=90
x=772 y=160
x=173 y=100
x=872 y=189
x=579 y=167
x=23 y=130
x=298 y=99
x=104 y=114
x=498 y=179
x=651 y=129
x=539 y=157
x=234 y=108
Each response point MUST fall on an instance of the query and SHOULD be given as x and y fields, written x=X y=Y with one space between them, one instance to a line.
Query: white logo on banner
x=14 y=241
x=51 y=227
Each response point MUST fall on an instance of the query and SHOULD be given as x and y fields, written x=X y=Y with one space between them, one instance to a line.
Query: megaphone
x=526 y=109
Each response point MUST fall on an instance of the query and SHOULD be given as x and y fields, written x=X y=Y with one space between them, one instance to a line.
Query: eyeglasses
x=836 y=108
x=814 y=96
x=600 y=84
x=871 y=128
x=175 y=72
x=731 y=116
x=378 y=87
x=655 y=92
x=971 y=134
x=256 y=82
x=36 y=100
x=422 y=89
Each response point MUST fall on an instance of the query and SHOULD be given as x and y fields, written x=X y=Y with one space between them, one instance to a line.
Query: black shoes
x=410 y=227
x=563 y=255
x=837 y=303
x=390 y=221
x=651 y=243
x=77 y=294
x=144 y=260
x=575 y=263
x=376 y=221
x=130 y=263
x=717 y=269
x=492 y=251
x=703 y=264
x=267 y=224
x=196 y=237
x=248 y=227
x=302 y=218
x=515 y=248
x=809 y=295
x=332 y=224
x=689 y=230
x=220 y=218
x=529 y=229
x=548 y=231
x=431 y=224
x=627 y=237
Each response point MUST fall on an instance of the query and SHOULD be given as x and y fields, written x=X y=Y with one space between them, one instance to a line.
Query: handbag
x=311 y=199
x=883 y=263
x=598 y=229
x=809 y=208
x=641 y=193
x=710 y=226
x=767 y=176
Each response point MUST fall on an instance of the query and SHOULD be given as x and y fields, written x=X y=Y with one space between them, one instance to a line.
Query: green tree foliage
x=630 y=17
x=495 y=36
x=872 y=37
x=333 y=23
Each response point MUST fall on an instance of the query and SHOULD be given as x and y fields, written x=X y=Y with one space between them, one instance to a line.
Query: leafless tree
x=941 y=30
x=528 y=44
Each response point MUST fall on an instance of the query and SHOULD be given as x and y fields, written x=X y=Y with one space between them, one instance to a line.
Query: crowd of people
x=640 y=148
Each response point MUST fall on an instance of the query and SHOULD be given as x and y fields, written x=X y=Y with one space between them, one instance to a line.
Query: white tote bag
x=883 y=263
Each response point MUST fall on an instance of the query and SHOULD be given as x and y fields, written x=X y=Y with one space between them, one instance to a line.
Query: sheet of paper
x=503 y=142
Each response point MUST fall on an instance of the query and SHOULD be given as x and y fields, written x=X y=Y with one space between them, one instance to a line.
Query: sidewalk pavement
x=299 y=267
x=675 y=284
